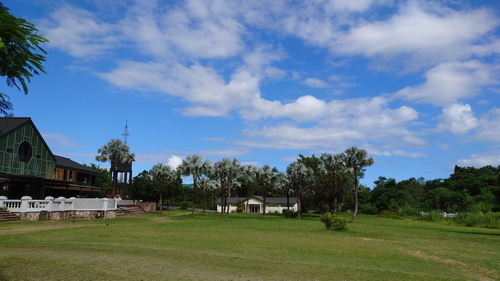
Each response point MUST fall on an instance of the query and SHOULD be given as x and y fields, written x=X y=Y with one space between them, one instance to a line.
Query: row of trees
x=228 y=177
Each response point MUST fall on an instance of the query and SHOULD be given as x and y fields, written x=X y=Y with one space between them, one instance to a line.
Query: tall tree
x=356 y=159
x=267 y=177
x=117 y=153
x=196 y=166
x=248 y=176
x=334 y=164
x=227 y=171
x=21 y=56
x=206 y=184
x=300 y=176
x=162 y=176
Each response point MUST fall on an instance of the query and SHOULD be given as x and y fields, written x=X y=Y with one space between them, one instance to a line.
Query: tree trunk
x=264 y=203
x=335 y=193
x=204 y=198
x=299 y=203
x=195 y=187
x=356 y=191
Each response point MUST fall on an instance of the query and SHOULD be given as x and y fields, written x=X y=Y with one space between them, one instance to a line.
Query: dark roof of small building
x=270 y=200
x=8 y=124
x=69 y=164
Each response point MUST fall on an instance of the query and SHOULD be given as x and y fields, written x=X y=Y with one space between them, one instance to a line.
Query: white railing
x=27 y=204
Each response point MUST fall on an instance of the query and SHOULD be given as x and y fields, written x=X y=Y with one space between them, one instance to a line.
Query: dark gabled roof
x=68 y=164
x=270 y=200
x=9 y=124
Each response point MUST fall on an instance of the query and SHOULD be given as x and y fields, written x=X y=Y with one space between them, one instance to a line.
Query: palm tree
x=248 y=176
x=335 y=164
x=117 y=153
x=356 y=159
x=266 y=176
x=300 y=176
x=227 y=171
x=162 y=176
x=194 y=165
x=283 y=184
x=206 y=184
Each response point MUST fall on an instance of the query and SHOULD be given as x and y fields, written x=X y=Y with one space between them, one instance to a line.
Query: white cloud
x=337 y=123
x=174 y=161
x=451 y=81
x=79 y=32
x=315 y=83
x=480 y=160
x=458 y=119
x=421 y=34
x=489 y=127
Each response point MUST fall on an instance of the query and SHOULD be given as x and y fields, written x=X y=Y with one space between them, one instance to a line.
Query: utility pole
x=125 y=133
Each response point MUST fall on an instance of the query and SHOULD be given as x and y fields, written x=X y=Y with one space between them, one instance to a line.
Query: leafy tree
x=117 y=153
x=162 y=176
x=266 y=176
x=248 y=178
x=301 y=176
x=336 y=165
x=227 y=171
x=196 y=166
x=104 y=178
x=143 y=188
x=206 y=185
x=21 y=56
x=356 y=159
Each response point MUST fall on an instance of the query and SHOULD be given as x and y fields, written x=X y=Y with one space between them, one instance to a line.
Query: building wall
x=40 y=163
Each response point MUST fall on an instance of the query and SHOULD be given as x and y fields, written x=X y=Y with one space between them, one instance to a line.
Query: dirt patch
x=39 y=228
x=421 y=255
x=382 y=240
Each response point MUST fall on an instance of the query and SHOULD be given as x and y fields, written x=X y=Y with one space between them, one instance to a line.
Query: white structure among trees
x=255 y=204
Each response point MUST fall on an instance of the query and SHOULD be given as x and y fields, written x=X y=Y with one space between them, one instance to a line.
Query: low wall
x=148 y=207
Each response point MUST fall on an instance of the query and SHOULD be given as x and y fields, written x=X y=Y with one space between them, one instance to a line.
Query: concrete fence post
x=50 y=203
x=105 y=204
x=25 y=204
x=2 y=198
x=72 y=201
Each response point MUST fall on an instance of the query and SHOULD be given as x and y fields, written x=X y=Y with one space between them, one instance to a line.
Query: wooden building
x=29 y=168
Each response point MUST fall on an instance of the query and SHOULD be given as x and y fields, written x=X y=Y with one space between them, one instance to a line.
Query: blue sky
x=415 y=83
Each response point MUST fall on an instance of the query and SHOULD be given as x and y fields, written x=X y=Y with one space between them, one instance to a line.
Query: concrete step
x=7 y=216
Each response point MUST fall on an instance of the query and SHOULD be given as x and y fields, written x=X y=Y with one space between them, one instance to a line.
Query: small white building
x=255 y=204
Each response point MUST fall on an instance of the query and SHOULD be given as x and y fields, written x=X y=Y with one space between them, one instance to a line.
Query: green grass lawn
x=174 y=246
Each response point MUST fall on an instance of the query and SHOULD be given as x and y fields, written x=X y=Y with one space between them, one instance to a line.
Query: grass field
x=174 y=246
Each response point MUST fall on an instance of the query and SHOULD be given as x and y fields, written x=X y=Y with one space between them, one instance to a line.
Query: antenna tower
x=125 y=133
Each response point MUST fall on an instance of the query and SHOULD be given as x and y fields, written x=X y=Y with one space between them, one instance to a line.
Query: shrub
x=388 y=214
x=488 y=220
x=433 y=215
x=368 y=209
x=333 y=221
x=185 y=204
x=289 y=213
x=410 y=212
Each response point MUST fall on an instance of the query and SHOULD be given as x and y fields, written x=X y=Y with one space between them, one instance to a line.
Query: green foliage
x=21 y=56
x=368 y=208
x=388 y=214
x=289 y=213
x=476 y=219
x=185 y=205
x=333 y=221
x=433 y=215
x=409 y=211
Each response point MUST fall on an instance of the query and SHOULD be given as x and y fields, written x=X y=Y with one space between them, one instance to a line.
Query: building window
x=25 y=152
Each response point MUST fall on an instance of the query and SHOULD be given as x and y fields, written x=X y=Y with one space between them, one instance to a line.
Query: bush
x=368 y=209
x=333 y=221
x=488 y=220
x=410 y=212
x=185 y=204
x=289 y=213
x=433 y=215
x=388 y=214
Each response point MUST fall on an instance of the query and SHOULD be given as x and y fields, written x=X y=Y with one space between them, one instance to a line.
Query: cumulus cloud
x=421 y=33
x=458 y=119
x=174 y=161
x=79 y=32
x=451 y=81
x=480 y=160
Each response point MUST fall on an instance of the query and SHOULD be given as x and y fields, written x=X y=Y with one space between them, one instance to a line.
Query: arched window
x=25 y=152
